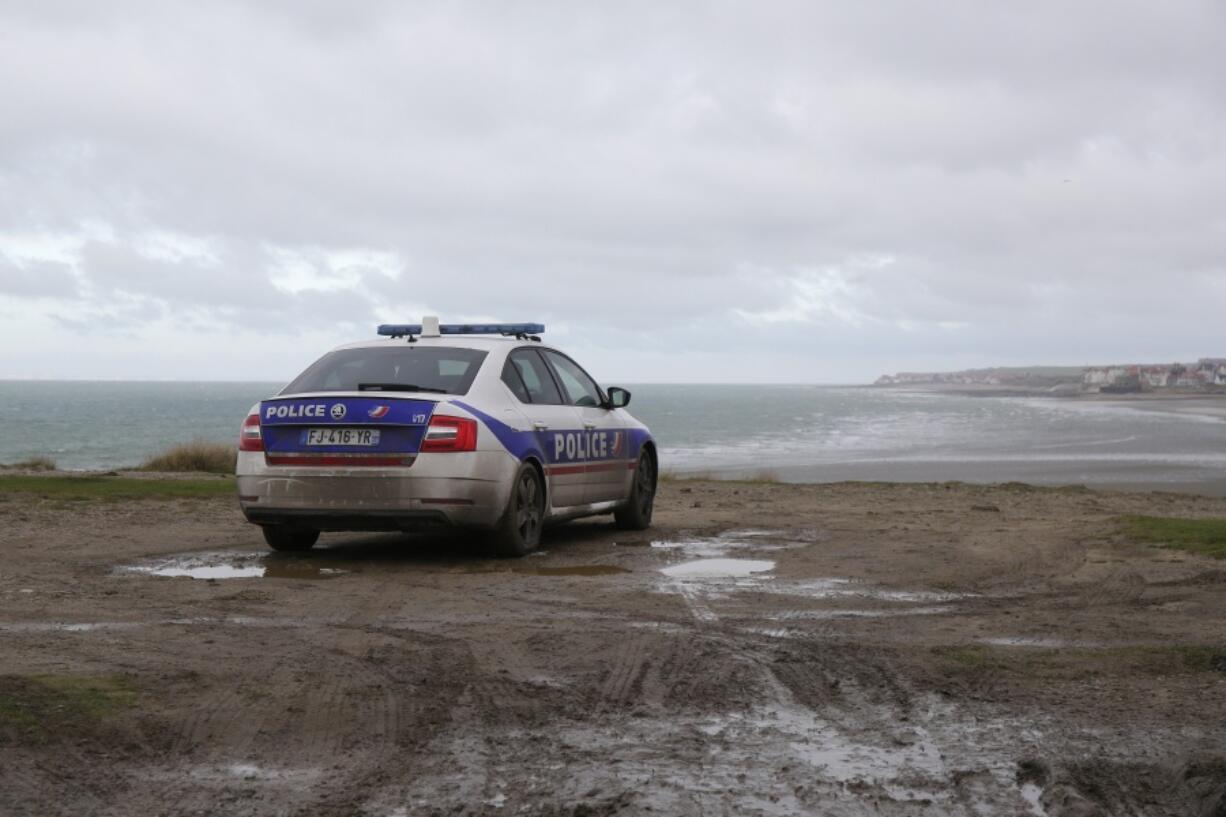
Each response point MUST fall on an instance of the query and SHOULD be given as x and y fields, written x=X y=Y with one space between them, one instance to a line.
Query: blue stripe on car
x=521 y=444
x=543 y=444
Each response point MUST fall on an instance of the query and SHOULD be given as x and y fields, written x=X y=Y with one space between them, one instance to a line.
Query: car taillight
x=450 y=434
x=250 y=437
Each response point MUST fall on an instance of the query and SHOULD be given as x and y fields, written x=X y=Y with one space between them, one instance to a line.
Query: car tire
x=636 y=513
x=286 y=537
x=519 y=530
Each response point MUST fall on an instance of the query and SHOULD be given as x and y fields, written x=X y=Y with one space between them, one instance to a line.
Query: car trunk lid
x=344 y=429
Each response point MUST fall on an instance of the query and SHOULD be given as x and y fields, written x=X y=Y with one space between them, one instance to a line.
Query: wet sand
x=764 y=649
x=1199 y=405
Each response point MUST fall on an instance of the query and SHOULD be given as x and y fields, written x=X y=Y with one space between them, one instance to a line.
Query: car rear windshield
x=443 y=369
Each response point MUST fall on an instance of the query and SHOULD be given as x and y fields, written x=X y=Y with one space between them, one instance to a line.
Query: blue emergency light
x=399 y=330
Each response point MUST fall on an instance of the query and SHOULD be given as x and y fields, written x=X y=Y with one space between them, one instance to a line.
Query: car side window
x=537 y=380
x=510 y=376
x=580 y=389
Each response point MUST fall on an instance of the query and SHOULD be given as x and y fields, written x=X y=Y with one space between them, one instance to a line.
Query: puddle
x=297 y=568
x=657 y=626
x=576 y=570
x=64 y=627
x=821 y=615
x=109 y=626
x=252 y=771
x=778 y=632
x=230 y=774
x=229 y=565
x=249 y=621
x=701 y=582
x=1037 y=643
x=1033 y=794
x=909 y=768
x=722 y=544
x=530 y=569
x=837 y=588
x=206 y=571
x=718 y=568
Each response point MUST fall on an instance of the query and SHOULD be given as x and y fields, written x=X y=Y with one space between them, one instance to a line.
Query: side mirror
x=618 y=397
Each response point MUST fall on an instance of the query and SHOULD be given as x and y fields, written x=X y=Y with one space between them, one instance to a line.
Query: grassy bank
x=32 y=464
x=1205 y=536
x=85 y=488
x=198 y=456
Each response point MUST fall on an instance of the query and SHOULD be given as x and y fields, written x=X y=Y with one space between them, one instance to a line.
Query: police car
x=477 y=426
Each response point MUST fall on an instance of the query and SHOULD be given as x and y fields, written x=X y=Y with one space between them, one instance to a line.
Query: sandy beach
x=1194 y=404
x=764 y=649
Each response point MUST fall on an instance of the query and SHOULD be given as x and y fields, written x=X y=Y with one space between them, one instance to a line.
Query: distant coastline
x=1205 y=377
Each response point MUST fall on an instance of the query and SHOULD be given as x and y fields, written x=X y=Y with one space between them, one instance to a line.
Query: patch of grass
x=1206 y=536
x=85 y=488
x=763 y=477
x=1029 y=488
x=1198 y=658
x=198 y=455
x=40 y=707
x=1163 y=660
x=1072 y=663
x=32 y=464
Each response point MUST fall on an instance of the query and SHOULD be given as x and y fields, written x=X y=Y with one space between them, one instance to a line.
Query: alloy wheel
x=528 y=507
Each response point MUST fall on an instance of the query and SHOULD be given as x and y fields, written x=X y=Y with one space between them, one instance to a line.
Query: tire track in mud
x=843 y=681
x=487 y=725
x=693 y=597
x=629 y=663
x=362 y=717
x=229 y=715
x=314 y=691
x=81 y=770
x=417 y=687
x=79 y=786
x=1120 y=586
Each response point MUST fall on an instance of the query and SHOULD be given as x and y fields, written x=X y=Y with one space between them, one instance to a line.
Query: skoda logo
x=338 y=411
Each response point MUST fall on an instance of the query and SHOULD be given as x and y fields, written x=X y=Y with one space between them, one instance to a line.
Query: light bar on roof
x=397 y=330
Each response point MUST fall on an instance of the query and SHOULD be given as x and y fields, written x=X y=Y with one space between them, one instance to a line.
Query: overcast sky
x=790 y=192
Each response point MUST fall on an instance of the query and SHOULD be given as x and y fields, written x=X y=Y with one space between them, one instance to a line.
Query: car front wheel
x=636 y=513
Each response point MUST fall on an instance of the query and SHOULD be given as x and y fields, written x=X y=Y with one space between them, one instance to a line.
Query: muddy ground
x=764 y=649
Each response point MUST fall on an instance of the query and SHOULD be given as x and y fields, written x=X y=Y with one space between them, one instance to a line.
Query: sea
x=793 y=433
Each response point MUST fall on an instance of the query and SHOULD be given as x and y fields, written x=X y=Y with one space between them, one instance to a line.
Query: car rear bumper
x=464 y=489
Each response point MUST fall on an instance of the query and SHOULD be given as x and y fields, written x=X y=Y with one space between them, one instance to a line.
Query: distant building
x=1193 y=379
x=1156 y=377
x=1201 y=375
x=1098 y=377
x=1206 y=374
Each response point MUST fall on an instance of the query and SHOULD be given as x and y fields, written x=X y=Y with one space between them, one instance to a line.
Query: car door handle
x=539 y=426
x=589 y=426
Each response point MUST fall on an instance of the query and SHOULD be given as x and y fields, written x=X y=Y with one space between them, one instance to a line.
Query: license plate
x=341 y=436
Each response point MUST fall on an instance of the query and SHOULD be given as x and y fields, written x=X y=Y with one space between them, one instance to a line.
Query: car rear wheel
x=285 y=537
x=519 y=530
x=636 y=513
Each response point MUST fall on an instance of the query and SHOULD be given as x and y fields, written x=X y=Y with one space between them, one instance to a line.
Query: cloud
x=647 y=179
x=37 y=279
